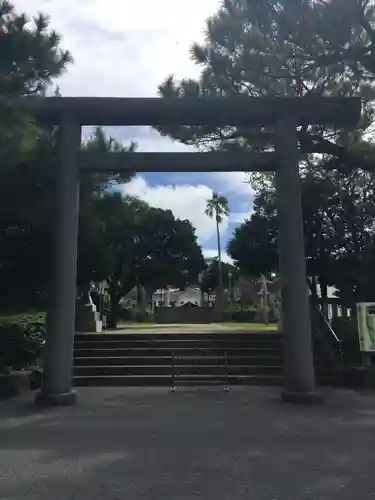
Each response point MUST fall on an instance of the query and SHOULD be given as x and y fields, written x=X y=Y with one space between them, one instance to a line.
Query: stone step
x=167 y=360
x=190 y=369
x=189 y=335
x=176 y=344
x=199 y=359
x=166 y=380
x=168 y=351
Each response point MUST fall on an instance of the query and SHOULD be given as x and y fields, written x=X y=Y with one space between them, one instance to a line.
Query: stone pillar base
x=65 y=399
x=302 y=398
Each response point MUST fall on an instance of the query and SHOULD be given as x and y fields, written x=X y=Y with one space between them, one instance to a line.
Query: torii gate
x=284 y=114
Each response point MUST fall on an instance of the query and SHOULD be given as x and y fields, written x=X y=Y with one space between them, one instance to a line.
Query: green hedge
x=248 y=315
x=240 y=316
x=21 y=341
x=135 y=315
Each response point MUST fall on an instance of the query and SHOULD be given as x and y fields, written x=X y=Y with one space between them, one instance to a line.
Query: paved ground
x=194 y=444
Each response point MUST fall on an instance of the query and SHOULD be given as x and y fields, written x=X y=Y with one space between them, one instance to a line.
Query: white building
x=178 y=298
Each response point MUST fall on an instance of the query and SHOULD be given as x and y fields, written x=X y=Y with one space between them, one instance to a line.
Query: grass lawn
x=249 y=327
x=217 y=327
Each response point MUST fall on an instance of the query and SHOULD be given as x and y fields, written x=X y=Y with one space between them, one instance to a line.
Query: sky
x=126 y=49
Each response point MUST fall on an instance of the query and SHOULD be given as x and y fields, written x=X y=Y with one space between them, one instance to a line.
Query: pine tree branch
x=344 y=159
x=366 y=25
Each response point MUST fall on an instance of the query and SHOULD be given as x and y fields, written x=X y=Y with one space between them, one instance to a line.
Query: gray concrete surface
x=195 y=444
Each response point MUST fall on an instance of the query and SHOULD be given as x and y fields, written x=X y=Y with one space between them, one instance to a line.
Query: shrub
x=135 y=315
x=240 y=316
x=125 y=314
x=143 y=316
x=21 y=340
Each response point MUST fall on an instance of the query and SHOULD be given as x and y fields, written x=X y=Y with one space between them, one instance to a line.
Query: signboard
x=366 y=326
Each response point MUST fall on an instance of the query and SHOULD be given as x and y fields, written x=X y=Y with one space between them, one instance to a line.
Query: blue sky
x=186 y=194
x=125 y=49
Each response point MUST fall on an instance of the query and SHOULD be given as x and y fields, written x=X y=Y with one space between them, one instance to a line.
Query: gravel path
x=135 y=444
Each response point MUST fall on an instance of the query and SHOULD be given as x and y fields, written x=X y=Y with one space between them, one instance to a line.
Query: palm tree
x=218 y=207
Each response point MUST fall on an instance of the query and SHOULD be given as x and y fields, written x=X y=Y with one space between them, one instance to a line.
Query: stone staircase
x=173 y=359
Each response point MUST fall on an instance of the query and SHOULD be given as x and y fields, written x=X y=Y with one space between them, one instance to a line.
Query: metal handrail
x=175 y=359
x=173 y=384
x=226 y=386
x=335 y=351
x=328 y=325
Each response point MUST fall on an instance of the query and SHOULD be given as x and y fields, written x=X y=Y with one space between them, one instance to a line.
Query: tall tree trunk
x=324 y=296
x=149 y=290
x=312 y=286
x=219 y=252
x=114 y=309
x=202 y=303
x=139 y=295
x=314 y=299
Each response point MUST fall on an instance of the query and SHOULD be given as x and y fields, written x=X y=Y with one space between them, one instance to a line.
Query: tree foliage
x=31 y=57
x=137 y=245
x=283 y=48
x=99 y=142
x=122 y=240
x=338 y=217
x=210 y=276
x=217 y=208
x=27 y=207
x=296 y=48
x=31 y=54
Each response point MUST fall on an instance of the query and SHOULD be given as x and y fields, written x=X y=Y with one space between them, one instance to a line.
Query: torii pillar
x=58 y=356
x=299 y=363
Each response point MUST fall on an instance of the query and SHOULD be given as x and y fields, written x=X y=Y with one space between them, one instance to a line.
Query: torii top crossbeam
x=236 y=110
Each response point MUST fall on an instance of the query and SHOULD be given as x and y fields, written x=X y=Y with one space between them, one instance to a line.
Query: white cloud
x=148 y=14
x=127 y=15
x=209 y=254
x=232 y=182
x=234 y=186
x=126 y=48
x=185 y=201
x=239 y=217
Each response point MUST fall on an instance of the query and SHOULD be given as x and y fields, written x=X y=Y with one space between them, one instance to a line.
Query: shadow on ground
x=197 y=443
